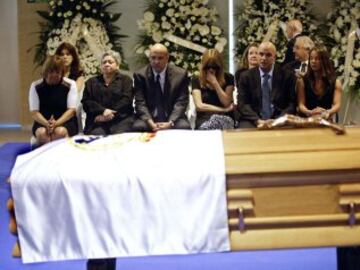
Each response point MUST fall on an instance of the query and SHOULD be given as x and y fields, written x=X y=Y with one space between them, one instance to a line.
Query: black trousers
x=141 y=126
x=348 y=258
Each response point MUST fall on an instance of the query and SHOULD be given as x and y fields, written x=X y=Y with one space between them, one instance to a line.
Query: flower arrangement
x=185 y=27
x=257 y=16
x=346 y=15
x=86 y=24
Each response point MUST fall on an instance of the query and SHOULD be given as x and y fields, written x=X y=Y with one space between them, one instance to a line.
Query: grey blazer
x=176 y=93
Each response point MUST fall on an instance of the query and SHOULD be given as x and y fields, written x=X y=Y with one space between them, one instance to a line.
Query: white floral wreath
x=88 y=35
x=197 y=34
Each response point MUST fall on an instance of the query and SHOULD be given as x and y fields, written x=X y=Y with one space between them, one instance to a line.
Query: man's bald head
x=158 y=47
x=267 y=55
x=159 y=57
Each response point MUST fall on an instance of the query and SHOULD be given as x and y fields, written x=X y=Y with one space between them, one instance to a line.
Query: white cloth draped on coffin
x=131 y=194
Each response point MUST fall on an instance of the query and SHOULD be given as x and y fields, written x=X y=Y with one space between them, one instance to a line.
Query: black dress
x=312 y=100
x=210 y=97
x=53 y=102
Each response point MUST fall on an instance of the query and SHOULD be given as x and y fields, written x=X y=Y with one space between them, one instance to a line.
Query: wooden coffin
x=293 y=188
x=288 y=188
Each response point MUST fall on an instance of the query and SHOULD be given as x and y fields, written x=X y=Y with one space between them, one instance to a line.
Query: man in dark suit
x=266 y=91
x=161 y=93
x=302 y=48
x=293 y=31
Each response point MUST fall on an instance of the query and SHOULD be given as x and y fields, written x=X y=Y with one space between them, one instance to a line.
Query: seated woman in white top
x=52 y=102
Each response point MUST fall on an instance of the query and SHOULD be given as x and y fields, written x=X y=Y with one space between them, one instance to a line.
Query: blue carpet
x=295 y=259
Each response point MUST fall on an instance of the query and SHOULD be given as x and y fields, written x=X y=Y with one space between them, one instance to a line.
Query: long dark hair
x=75 y=68
x=327 y=66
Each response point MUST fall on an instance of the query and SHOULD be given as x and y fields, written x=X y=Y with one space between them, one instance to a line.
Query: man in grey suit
x=266 y=91
x=161 y=93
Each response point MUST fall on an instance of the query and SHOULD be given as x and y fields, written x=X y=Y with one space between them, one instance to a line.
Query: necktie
x=266 y=103
x=303 y=67
x=160 y=115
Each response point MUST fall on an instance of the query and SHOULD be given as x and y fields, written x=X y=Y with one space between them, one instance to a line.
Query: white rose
x=339 y=22
x=204 y=11
x=356 y=63
x=196 y=12
x=149 y=16
x=157 y=37
x=204 y=30
x=170 y=12
x=165 y=25
x=354 y=73
x=344 y=13
x=215 y=30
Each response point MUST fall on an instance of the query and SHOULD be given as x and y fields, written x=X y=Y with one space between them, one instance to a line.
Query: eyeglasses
x=215 y=67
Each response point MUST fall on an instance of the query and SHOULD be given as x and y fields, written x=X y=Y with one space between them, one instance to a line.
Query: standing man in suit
x=266 y=91
x=161 y=93
x=293 y=31
x=302 y=48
